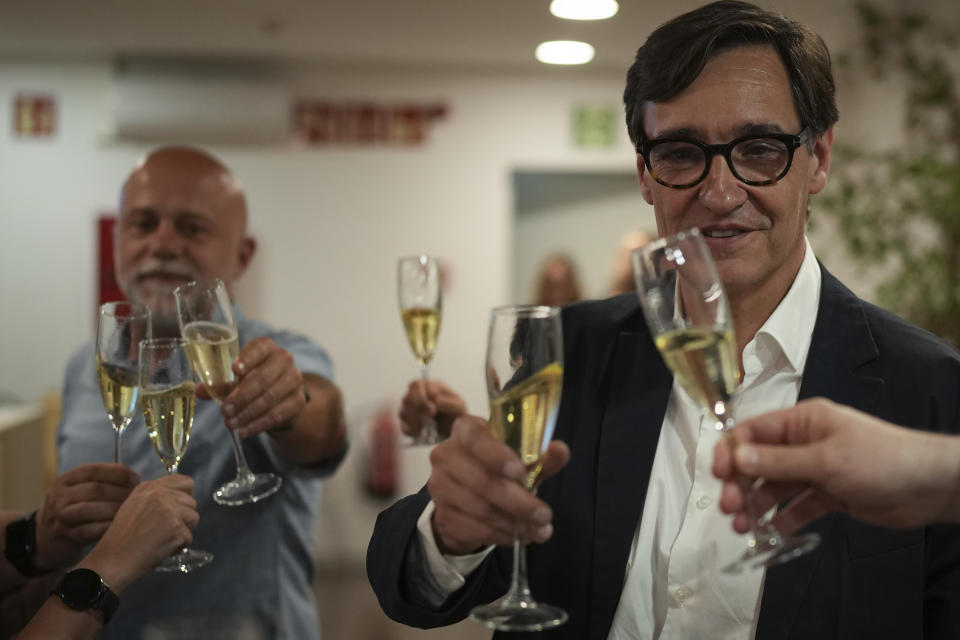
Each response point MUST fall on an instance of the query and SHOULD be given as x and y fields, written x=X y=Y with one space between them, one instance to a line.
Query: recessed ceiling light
x=564 y=52
x=584 y=9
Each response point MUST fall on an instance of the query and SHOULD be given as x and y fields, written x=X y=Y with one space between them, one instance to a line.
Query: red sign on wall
x=319 y=122
x=34 y=116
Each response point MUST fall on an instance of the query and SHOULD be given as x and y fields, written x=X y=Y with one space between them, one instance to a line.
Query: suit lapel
x=842 y=343
x=636 y=400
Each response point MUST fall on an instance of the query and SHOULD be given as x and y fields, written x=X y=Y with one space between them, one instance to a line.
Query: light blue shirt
x=262 y=573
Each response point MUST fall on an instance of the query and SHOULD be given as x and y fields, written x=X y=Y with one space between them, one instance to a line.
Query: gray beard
x=163 y=322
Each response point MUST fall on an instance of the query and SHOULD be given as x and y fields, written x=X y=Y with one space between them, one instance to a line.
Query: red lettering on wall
x=318 y=122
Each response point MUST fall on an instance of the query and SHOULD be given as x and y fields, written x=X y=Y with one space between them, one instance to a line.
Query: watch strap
x=107 y=604
x=21 y=546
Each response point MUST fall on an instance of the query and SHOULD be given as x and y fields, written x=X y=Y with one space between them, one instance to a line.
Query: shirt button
x=682 y=594
x=704 y=502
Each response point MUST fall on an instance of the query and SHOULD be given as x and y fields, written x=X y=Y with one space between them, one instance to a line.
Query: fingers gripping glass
x=524 y=381
x=168 y=395
x=757 y=160
x=421 y=309
x=688 y=313
x=205 y=314
x=120 y=328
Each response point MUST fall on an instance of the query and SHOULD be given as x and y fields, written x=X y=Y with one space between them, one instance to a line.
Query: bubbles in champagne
x=422 y=326
x=524 y=415
x=168 y=414
x=119 y=387
x=705 y=364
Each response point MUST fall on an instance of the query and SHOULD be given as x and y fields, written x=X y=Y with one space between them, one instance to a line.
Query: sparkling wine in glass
x=120 y=328
x=419 y=295
x=168 y=395
x=688 y=313
x=524 y=380
x=205 y=314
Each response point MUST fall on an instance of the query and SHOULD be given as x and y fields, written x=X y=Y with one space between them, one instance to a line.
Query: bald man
x=183 y=216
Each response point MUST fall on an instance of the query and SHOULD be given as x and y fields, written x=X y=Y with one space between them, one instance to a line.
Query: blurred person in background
x=621 y=279
x=183 y=216
x=558 y=281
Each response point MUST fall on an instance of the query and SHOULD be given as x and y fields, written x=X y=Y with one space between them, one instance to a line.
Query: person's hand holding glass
x=420 y=299
x=205 y=314
x=120 y=327
x=524 y=368
x=689 y=316
x=168 y=395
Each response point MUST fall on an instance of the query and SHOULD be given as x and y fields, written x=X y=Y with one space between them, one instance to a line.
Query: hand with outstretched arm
x=153 y=522
x=476 y=483
x=829 y=457
x=76 y=511
x=302 y=411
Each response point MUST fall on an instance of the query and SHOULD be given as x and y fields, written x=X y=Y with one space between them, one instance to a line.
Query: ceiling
x=498 y=34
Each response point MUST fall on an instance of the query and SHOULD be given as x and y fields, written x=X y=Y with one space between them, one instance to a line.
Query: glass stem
x=170 y=471
x=116 y=446
x=519 y=588
x=428 y=431
x=763 y=532
x=243 y=471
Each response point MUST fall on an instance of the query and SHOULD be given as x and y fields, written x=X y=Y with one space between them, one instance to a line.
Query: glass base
x=185 y=561
x=246 y=489
x=773 y=551
x=511 y=613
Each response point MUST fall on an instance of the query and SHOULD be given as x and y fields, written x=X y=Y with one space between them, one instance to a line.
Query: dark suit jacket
x=861 y=582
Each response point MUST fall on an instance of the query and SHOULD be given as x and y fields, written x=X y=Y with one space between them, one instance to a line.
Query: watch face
x=80 y=588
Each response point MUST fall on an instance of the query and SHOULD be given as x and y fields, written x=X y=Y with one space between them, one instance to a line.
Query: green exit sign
x=594 y=126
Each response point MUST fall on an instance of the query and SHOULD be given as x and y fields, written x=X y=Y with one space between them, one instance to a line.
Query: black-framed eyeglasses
x=758 y=160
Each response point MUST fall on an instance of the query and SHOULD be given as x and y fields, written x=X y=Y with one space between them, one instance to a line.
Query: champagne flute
x=525 y=349
x=418 y=290
x=120 y=327
x=205 y=314
x=689 y=316
x=168 y=395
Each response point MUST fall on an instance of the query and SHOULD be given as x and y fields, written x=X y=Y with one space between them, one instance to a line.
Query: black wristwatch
x=83 y=589
x=21 y=545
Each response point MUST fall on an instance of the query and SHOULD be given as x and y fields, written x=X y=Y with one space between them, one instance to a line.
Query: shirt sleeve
x=433 y=576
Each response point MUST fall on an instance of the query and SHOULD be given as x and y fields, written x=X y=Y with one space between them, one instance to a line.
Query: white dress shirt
x=674 y=586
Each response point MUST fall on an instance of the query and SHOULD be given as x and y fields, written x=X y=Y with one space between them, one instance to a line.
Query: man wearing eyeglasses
x=731 y=109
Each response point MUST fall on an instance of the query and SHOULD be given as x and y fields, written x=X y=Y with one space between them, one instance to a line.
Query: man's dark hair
x=675 y=54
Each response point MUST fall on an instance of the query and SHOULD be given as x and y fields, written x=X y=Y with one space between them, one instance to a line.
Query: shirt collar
x=789 y=328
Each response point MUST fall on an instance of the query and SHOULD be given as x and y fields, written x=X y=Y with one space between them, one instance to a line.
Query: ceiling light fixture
x=564 y=52
x=584 y=9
